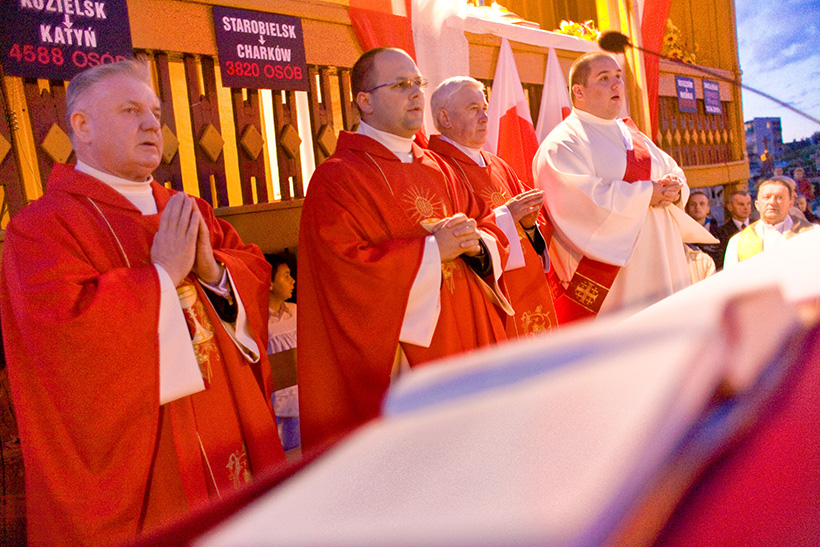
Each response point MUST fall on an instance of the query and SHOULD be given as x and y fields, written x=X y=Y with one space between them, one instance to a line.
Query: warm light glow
x=269 y=132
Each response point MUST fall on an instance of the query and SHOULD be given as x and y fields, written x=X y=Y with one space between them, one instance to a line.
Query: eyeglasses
x=403 y=84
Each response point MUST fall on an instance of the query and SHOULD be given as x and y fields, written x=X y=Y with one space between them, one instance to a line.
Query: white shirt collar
x=780 y=227
x=138 y=193
x=400 y=146
x=472 y=153
x=740 y=223
x=121 y=185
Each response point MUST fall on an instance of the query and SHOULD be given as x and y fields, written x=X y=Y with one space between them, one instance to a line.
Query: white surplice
x=580 y=166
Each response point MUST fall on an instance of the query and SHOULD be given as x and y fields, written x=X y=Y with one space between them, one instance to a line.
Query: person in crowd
x=460 y=115
x=804 y=185
x=794 y=211
x=134 y=323
x=615 y=201
x=701 y=265
x=740 y=210
x=282 y=349
x=775 y=197
x=398 y=262
x=698 y=208
x=281 y=312
x=802 y=205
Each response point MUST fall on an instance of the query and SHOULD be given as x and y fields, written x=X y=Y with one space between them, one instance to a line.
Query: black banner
x=260 y=50
x=56 y=39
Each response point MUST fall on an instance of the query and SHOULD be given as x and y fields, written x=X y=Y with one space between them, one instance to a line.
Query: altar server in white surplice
x=615 y=201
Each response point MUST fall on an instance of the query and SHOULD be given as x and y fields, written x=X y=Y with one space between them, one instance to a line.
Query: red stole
x=592 y=280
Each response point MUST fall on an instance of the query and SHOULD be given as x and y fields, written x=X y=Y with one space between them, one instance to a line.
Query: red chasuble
x=80 y=306
x=527 y=288
x=361 y=243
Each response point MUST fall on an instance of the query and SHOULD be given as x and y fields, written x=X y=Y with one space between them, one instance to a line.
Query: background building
x=764 y=142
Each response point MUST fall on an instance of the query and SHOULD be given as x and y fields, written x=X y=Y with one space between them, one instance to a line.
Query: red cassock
x=527 y=288
x=80 y=309
x=361 y=243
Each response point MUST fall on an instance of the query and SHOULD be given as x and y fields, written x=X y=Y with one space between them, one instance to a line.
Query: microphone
x=617 y=42
x=614 y=41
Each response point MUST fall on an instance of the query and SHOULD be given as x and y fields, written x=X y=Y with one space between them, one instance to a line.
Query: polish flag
x=510 y=133
x=555 y=103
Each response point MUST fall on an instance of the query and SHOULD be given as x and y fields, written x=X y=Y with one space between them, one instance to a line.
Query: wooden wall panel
x=288 y=155
x=10 y=178
x=321 y=113
x=206 y=126
x=248 y=123
x=168 y=171
x=350 y=113
x=47 y=111
x=695 y=139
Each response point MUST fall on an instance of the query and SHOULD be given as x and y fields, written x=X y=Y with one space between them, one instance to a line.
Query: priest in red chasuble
x=134 y=322
x=460 y=114
x=398 y=261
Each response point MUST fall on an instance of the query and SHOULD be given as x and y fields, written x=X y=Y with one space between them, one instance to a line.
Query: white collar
x=400 y=146
x=123 y=186
x=780 y=227
x=472 y=153
x=138 y=193
x=587 y=117
x=740 y=223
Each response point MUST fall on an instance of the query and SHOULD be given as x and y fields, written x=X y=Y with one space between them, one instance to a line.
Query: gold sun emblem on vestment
x=424 y=206
x=496 y=198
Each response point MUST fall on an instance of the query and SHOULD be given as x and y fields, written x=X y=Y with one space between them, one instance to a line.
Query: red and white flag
x=510 y=132
x=555 y=103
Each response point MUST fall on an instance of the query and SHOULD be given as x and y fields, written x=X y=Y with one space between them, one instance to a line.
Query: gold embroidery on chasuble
x=448 y=271
x=533 y=322
x=200 y=328
x=239 y=470
x=495 y=197
x=424 y=207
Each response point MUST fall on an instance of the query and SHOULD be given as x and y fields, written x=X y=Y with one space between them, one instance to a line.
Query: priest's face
x=774 y=201
x=398 y=107
x=117 y=128
x=465 y=118
x=603 y=93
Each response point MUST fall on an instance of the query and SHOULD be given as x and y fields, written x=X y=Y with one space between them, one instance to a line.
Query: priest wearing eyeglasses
x=398 y=261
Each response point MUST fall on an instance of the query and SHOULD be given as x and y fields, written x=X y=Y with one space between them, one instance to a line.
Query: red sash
x=592 y=280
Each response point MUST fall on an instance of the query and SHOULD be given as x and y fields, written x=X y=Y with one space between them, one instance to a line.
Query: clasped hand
x=665 y=191
x=183 y=244
x=525 y=206
x=457 y=235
